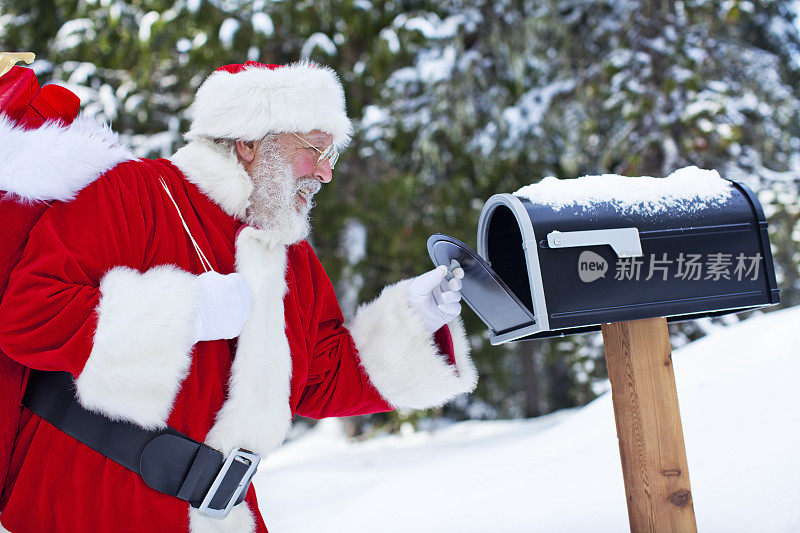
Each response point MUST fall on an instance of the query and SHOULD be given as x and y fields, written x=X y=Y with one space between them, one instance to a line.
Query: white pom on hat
x=248 y=101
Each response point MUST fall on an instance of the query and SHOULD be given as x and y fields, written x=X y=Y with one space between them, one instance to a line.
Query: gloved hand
x=435 y=298
x=224 y=306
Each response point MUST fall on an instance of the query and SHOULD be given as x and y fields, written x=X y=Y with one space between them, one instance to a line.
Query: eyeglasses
x=330 y=153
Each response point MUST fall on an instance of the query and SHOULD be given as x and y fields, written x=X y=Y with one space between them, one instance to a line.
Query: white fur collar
x=55 y=162
x=256 y=414
x=221 y=177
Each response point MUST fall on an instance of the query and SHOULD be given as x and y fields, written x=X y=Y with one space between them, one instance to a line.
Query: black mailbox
x=554 y=264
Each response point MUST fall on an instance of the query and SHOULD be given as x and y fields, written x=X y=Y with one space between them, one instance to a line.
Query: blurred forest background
x=454 y=101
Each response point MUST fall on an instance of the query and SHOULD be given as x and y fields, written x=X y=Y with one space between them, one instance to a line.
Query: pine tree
x=455 y=101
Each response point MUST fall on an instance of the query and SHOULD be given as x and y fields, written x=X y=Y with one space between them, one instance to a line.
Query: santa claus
x=182 y=301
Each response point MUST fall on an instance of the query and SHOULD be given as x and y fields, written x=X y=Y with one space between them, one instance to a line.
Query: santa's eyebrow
x=318 y=137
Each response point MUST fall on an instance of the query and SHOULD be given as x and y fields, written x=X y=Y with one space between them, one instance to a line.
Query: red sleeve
x=48 y=307
x=337 y=384
x=81 y=299
x=444 y=343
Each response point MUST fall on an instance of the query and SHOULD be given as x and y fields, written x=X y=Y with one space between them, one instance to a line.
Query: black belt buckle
x=239 y=455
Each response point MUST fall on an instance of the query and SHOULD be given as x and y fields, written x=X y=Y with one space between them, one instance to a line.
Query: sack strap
x=203 y=260
x=168 y=461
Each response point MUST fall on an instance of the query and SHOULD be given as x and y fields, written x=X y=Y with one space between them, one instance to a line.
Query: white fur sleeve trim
x=142 y=345
x=55 y=162
x=401 y=357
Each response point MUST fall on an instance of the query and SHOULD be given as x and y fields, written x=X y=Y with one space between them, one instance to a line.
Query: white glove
x=224 y=306
x=435 y=298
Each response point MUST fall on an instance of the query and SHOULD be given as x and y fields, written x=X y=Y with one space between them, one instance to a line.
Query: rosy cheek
x=302 y=167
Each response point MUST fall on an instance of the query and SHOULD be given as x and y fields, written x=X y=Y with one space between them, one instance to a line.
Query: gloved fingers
x=224 y=302
x=241 y=286
x=454 y=284
x=450 y=310
x=450 y=297
x=424 y=283
x=437 y=292
x=445 y=296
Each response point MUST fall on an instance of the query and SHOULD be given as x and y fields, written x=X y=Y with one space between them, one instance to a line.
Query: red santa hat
x=246 y=102
x=30 y=106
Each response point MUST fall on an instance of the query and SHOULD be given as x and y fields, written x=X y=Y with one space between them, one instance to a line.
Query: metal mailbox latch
x=624 y=241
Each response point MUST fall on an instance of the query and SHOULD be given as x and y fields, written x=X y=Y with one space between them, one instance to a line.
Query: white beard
x=273 y=200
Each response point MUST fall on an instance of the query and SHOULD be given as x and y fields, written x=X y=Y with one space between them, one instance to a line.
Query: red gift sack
x=24 y=105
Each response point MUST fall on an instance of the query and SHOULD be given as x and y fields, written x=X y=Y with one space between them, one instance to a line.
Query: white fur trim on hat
x=248 y=105
x=401 y=357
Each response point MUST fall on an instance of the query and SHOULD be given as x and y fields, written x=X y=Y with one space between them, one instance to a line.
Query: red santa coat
x=106 y=290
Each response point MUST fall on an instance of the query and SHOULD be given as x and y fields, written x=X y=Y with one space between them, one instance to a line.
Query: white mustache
x=313 y=187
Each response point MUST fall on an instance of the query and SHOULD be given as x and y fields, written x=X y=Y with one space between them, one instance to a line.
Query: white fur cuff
x=401 y=357
x=142 y=345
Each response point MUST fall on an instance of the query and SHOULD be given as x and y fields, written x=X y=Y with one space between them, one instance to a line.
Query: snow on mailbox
x=565 y=256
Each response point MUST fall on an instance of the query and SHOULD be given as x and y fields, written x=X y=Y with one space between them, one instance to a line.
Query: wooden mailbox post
x=654 y=466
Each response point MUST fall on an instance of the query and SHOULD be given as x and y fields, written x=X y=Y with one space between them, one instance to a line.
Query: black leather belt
x=168 y=461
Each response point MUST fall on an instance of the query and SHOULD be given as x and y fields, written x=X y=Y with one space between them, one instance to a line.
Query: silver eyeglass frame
x=330 y=153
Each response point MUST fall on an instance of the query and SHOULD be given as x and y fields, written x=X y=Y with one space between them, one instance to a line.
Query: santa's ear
x=246 y=150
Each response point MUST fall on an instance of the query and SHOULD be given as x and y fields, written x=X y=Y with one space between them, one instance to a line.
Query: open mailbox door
x=483 y=290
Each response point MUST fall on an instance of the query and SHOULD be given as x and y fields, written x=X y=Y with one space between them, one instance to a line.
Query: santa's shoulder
x=134 y=187
x=56 y=161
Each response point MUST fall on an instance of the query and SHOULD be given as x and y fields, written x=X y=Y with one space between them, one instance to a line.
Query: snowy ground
x=738 y=393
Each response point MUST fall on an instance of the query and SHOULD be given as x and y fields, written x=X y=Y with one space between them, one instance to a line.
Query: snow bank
x=685 y=190
x=737 y=392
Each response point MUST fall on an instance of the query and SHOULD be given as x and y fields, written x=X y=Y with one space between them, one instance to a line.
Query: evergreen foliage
x=455 y=101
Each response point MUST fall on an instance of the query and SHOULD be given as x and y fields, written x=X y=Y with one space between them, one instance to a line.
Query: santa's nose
x=323 y=172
